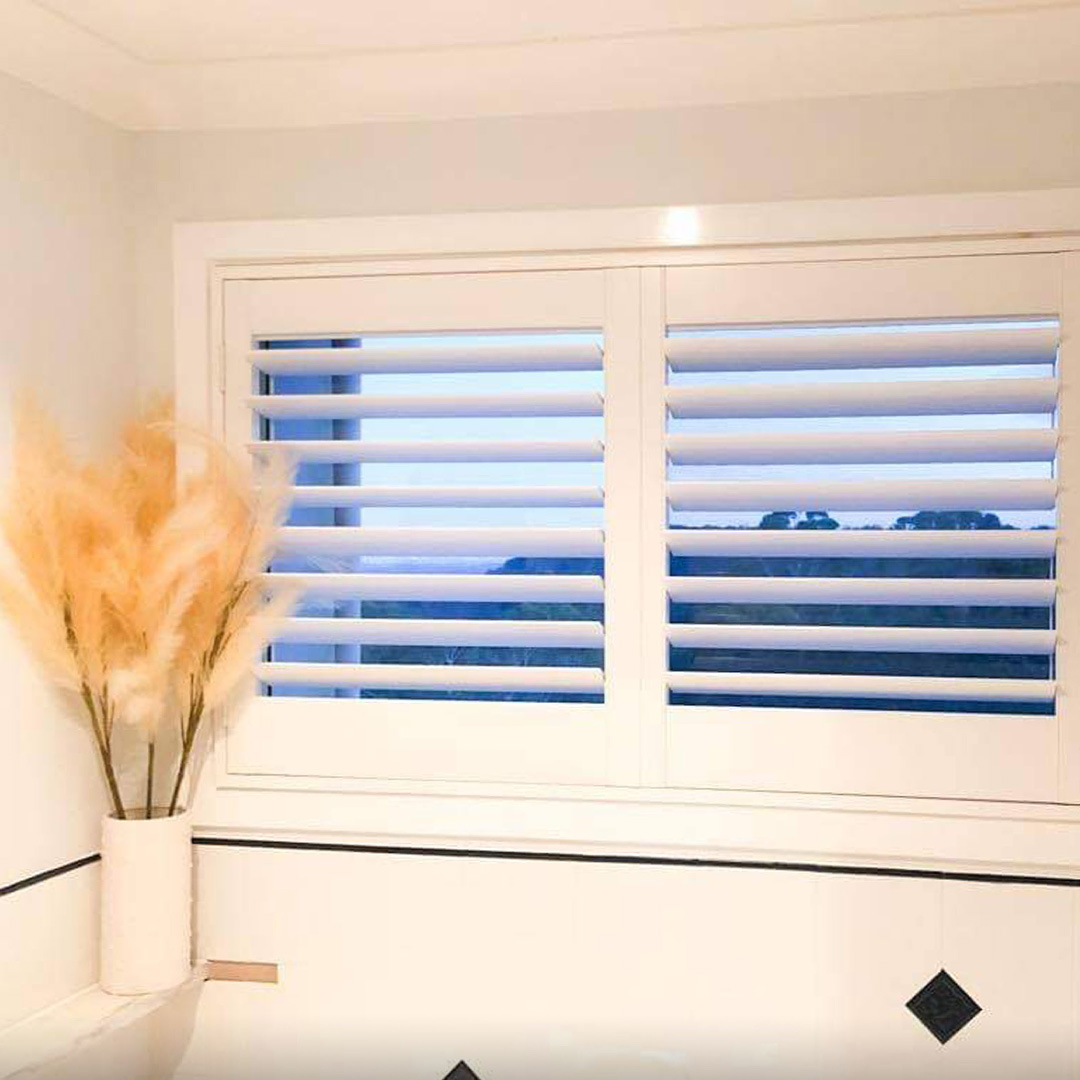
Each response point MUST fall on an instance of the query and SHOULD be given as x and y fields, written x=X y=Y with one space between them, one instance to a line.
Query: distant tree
x=949 y=519
x=778 y=519
x=818 y=519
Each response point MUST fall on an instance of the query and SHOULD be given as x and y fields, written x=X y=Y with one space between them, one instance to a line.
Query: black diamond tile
x=943 y=1007
x=461 y=1071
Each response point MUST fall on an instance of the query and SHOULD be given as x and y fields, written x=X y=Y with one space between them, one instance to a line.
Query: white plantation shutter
x=861 y=528
x=447 y=530
x=778 y=526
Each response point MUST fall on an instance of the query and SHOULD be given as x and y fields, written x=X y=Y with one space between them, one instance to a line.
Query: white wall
x=397 y=966
x=982 y=140
x=581 y=963
x=66 y=294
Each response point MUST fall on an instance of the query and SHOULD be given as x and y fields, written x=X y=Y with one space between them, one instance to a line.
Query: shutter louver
x=846 y=532
x=445 y=544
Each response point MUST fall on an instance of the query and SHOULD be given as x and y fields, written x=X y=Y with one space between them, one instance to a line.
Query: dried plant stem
x=150 y=779
x=190 y=731
x=104 y=748
x=100 y=720
x=197 y=701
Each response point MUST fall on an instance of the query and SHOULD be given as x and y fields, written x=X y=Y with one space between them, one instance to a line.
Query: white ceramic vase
x=145 y=903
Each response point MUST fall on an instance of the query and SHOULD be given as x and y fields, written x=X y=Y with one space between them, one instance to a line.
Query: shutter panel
x=846 y=533
x=861 y=545
x=447 y=519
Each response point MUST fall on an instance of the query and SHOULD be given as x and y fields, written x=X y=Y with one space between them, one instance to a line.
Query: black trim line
x=642 y=860
x=45 y=875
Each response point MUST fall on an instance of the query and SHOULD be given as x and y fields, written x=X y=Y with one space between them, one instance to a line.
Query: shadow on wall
x=170 y=1033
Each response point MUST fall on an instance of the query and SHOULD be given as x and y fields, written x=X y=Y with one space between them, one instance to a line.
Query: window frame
x=471 y=741
x=642 y=815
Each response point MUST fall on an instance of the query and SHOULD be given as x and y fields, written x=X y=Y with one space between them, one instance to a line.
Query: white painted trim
x=1035 y=214
x=760 y=826
x=622 y=517
x=652 y=820
x=654 y=529
x=42 y=48
x=532 y=743
x=1068 y=555
x=565 y=66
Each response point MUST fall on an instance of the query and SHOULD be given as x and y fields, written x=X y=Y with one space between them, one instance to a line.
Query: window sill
x=63 y=1033
x=955 y=836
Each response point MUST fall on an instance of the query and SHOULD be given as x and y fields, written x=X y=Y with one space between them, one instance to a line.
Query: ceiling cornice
x=48 y=52
x=695 y=66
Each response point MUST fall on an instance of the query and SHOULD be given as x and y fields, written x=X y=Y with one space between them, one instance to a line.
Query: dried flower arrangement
x=137 y=589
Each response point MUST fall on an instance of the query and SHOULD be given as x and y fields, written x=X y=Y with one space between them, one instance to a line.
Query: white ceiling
x=261 y=63
x=196 y=31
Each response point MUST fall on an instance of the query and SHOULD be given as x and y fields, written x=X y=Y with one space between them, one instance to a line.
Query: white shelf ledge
x=48 y=1038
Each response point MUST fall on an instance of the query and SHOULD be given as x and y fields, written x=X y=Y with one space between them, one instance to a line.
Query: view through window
x=862 y=516
x=449 y=513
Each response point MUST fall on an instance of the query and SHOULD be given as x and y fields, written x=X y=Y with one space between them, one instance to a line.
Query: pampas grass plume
x=135 y=587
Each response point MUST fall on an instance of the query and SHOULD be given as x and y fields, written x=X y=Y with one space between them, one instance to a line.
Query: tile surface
x=393 y=966
x=943 y=1007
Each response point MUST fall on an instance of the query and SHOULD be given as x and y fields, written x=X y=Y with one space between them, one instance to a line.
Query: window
x=863 y=516
x=449 y=548
x=778 y=527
